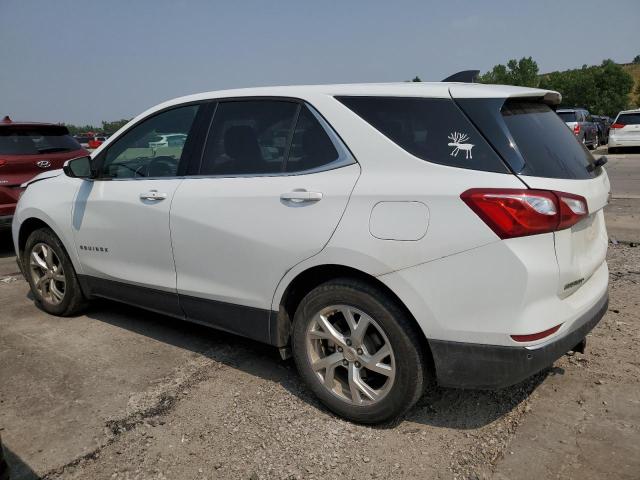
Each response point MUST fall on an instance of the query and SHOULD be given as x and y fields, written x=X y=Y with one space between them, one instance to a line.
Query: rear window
x=567 y=116
x=22 y=140
x=548 y=147
x=629 y=119
x=432 y=129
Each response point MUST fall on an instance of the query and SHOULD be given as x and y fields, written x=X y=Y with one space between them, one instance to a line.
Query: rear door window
x=36 y=140
x=249 y=137
x=432 y=129
x=311 y=146
x=548 y=147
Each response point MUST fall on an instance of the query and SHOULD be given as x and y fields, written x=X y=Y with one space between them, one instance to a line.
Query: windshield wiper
x=597 y=164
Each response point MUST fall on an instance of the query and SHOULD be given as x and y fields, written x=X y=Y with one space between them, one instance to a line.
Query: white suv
x=385 y=235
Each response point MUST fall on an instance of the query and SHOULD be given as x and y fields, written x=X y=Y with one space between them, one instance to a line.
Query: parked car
x=168 y=140
x=625 y=130
x=580 y=122
x=83 y=140
x=602 y=123
x=27 y=149
x=397 y=237
x=96 y=141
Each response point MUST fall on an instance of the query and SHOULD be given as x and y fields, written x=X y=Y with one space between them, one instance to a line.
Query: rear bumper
x=621 y=142
x=470 y=365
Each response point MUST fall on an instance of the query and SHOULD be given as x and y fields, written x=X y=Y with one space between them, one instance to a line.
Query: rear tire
x=333 y=356
x=51 y=276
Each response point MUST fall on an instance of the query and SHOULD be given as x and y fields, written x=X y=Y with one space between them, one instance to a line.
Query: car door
x=273 y=183
x=121 y=218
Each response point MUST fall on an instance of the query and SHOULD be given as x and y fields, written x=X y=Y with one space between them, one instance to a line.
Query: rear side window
x=311 y=146
x=35 y=140
x=431 y=129
x=628 y=119
x=568 y=116
x=548 y=147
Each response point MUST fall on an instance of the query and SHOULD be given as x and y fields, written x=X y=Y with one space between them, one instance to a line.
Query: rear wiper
x=597 y=164
x=53 y=149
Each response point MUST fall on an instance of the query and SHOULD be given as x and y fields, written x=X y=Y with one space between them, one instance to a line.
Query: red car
x=27 y=149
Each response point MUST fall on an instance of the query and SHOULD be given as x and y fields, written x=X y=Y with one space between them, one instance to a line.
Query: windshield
x=629 y=119
x=567 y=116
x=34 y=140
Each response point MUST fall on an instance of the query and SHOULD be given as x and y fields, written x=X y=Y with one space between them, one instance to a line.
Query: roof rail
x=467 y=76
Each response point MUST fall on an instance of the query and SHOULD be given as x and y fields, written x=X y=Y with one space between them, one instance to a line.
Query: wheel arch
x=33 y=223
x=310 y=278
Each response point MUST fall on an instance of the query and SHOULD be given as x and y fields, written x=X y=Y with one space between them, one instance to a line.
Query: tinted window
x=430 y=128
x=568 y=116
x=34 y=140
x=152 y=148
x=628 y=119
x=311 y=146
x=548 y=147
x=249 y=137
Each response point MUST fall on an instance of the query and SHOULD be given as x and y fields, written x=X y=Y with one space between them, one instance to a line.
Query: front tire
x=358 y=351
x=51 y=275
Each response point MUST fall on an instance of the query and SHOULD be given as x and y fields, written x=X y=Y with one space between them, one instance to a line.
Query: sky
x=85 y=61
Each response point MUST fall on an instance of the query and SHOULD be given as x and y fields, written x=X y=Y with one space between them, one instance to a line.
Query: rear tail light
x=536 y=336
x=576 y=129
x=616 y=125
x=2 y=163
x=519 y=212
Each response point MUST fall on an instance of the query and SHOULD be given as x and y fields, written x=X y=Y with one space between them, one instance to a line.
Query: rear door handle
x=153 y=195
x=299 y=196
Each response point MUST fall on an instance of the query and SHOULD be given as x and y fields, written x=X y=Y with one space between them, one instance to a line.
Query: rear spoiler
x=465 y=76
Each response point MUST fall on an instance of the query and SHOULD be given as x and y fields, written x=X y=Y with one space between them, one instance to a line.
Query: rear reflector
x=536 y=336
x=616 y=125
x=520 y=212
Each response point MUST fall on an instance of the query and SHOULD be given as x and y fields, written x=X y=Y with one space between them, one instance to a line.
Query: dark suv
x=27 y=149
x=580 y=121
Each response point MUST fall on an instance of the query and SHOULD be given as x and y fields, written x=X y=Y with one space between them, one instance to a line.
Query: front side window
x=153 y=148
x=249 y=137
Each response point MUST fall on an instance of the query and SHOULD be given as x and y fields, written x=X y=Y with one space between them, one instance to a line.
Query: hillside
x=634 y=70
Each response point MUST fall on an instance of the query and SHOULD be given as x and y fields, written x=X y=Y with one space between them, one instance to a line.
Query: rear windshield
x=548 y=147
x=629 y=119
x=432 y=129
x=567 y=116
x=23 y=140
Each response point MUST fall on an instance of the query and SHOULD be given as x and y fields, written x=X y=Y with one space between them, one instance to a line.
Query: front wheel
x=51 y=275
x=358 y=351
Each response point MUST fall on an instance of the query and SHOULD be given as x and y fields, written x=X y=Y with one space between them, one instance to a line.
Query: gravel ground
x=236 y=411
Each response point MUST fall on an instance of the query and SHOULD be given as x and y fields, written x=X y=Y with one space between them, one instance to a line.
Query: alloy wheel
x=350 y=354
x=47 y=273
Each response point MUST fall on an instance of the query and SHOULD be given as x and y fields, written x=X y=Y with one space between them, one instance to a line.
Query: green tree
x=636 y=59
x=112 y=127
x=602 y=89
x=523 y=72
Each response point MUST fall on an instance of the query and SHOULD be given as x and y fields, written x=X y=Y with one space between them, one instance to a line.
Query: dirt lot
x=120 y=394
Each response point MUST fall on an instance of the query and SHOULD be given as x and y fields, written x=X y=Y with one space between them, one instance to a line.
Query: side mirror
x=80 y=167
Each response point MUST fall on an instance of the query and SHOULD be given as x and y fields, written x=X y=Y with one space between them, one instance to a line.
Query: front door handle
x=299 y=196
x=153 y=195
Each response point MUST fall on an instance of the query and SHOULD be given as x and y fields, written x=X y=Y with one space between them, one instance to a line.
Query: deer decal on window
x=457 y=141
